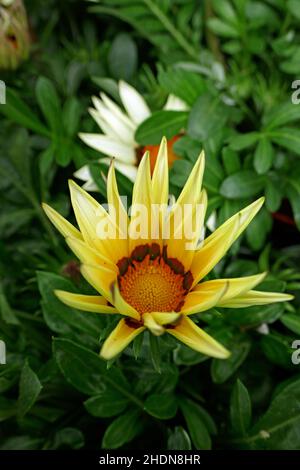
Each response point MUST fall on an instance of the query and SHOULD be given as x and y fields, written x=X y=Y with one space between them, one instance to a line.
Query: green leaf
x=180 y=172
x=71 y=115
x=7 y=408
x=195 y=423
x=274 y=195
x=161 y=406
x=160 y=124
x=58 y=316
x=240 y=408
x=231 y=161
x=243 y=184
x=281 y=115
x=71 y=438
x=278 y=350
x=157 y=22
x=82 y=368
x=293 y=192
x=123 y=429
x=293 y=7
x=30 y=388
x=48 y=101
x=207 y=116
x=122 y=57
x=263 y=157
x=223 y=29
x=278 y=429
x=243 y=141
x=106 y=404
x=17 y=111
x=225 y=10
x=287 y=137
x=21 y=443
x=292 y=322
x=179 y=440
x=85 y=370
x=257 y=231
x=6 y=312
x=182 y=83
x=109 y=85
x=253 y=316
x=221 y=370
x=155 y=352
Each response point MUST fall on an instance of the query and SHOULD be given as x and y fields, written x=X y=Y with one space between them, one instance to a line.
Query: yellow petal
x=205 y=297
x=244 y=217
x=194 y=337
x=119 y=338
x=121 y=305
x=152 y=325
x=191 y=191
x=140 y=222
x=254 y=297
x=101 y=278
x=88 y=255
x=160 y=189
x=160 y=178
x=97 y=227
x=166 y=318
x=115 y=203
x=234 y=287
x=210 y=254
x=88 y=303
x=186 y=231
x=62 y=225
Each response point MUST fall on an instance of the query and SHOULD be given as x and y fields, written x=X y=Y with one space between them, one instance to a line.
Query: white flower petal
x=117 y=124
x=174 y=103
x=117 y=111
x=110 y=147
x=129 y=171
x=134 y=103
x=105 y=128
x=83 y=173
x=90 y=186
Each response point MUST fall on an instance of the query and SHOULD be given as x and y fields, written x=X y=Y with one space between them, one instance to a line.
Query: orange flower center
x=149 y=281
x=153 y=150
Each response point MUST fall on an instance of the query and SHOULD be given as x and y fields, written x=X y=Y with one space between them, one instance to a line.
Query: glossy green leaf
x=160 y=124
x=240 y=408
x=30 y=388
x=161 y=406
x=122 y=58
x=106 y=404
x=123 y=429
x=243 y=184
x=179 y=439
x=195 y=424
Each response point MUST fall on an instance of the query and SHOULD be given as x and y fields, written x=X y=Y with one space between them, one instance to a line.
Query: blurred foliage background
x=234 y=62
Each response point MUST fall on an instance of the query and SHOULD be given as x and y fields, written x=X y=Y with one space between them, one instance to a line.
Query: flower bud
x=14 y=34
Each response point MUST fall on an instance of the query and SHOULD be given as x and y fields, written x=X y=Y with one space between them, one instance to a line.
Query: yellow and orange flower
x=156 y=284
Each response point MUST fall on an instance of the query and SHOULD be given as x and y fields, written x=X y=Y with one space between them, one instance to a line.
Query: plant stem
x=184 y=44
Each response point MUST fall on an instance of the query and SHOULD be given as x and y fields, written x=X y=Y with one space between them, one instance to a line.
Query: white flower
x=118 y=128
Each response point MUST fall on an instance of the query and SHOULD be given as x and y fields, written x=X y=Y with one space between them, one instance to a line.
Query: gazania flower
x=156 y=284
x=14 y=34
x=119 y=127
